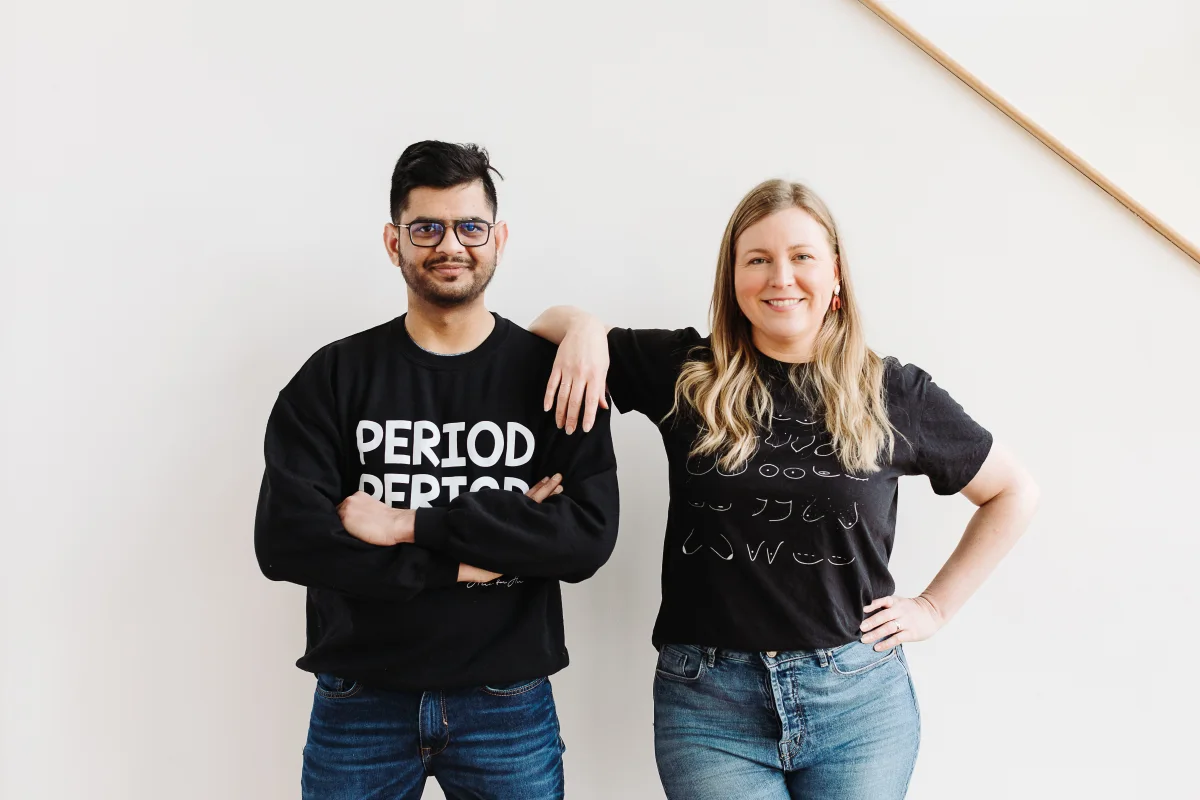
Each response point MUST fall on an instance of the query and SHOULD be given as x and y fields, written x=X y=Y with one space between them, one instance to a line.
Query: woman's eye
x=802 y=256
x=757 y=261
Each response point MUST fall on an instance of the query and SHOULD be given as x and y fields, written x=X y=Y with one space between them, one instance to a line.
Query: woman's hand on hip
x=894 y=620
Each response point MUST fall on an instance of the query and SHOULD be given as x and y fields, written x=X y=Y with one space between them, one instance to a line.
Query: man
x=415 y=485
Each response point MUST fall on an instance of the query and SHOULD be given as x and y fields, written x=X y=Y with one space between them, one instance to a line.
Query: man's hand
x=538 y=492
x=545 y=488
x=469 y=574
x=373 y=522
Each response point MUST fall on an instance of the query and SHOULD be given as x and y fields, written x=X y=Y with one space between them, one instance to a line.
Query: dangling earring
x=837 y=300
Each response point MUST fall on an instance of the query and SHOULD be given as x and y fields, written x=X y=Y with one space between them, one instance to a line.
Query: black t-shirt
x=460 y=438
x=784 y=553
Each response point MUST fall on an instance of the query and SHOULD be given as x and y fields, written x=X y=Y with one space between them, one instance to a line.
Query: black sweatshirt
x=784 y=552
x=460 y=438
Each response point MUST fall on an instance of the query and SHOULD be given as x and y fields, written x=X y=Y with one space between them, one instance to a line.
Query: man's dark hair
x=440 y=165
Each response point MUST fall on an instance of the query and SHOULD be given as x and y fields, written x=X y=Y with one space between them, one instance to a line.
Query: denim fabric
x=488 y=742
x=835 y=724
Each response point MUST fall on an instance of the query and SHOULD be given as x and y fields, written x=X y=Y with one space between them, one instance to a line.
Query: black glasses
x=429 y=233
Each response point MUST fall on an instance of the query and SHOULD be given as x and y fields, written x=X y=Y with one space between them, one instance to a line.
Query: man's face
x=449 y=274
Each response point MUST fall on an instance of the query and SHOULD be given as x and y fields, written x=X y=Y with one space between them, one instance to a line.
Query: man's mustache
x=458 y=262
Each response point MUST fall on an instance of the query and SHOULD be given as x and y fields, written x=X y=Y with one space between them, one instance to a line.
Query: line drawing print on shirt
x=843 y=564
x=802 y=449
x=787 y=473
x=787 y=503
x=807 y=555
x=804 y=516
x=720 y=508
x=818 y=452
x=700 y=547
x=768 y=441
x=768 y=470
x=766 y=502
x=770 y=556
x=724 y=558
x=698 y=460
x=745 y=466
x=851 y=477
x=826 y=474
x=696 y=505
x=852 y=524
x=781 y=419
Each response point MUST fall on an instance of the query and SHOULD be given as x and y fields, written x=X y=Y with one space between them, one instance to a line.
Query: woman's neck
x=796 y=350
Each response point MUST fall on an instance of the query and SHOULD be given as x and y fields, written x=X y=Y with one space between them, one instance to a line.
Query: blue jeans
x=489 y=742
x=835 y=724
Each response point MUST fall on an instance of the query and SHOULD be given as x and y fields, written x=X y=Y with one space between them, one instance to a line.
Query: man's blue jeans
x=833 y=724
x=489 y=742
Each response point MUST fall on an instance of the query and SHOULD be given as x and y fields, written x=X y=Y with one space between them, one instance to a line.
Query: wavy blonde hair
x=845 y=383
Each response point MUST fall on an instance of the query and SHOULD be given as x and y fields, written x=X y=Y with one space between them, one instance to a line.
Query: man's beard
x=465 y=287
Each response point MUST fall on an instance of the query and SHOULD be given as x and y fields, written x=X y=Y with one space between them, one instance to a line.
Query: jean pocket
x=680 y=663
x=331 y=687
x=513 y=689
x=857 y=658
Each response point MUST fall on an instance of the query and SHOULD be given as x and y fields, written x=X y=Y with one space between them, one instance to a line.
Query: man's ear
x=501 y=234
x=391 y=243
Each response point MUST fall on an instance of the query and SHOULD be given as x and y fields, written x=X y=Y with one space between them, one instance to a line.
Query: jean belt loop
x=711 y=654
x=824 y=656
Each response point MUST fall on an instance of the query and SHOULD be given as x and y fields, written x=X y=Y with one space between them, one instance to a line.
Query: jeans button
x=772 y=653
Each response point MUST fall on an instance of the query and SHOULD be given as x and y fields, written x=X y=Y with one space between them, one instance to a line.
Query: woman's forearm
x=557 y=321
x=993 y=530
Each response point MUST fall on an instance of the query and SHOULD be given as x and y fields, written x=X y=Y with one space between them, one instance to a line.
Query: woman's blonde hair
x=845 y=381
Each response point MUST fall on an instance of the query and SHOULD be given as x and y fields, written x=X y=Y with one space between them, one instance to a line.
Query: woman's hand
x=578 y=375
x=900 y=619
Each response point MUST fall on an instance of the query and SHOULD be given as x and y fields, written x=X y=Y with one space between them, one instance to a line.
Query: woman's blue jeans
x=834 y=724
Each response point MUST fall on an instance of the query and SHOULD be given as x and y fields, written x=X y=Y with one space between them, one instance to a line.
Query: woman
x=781 y=671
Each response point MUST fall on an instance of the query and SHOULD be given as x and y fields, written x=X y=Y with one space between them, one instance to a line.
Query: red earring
x=837 y=300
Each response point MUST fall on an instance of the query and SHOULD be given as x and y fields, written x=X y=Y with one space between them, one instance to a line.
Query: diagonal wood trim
x=1037 y=131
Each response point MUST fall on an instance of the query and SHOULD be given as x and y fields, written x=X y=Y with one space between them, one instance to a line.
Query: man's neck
x=448 y=331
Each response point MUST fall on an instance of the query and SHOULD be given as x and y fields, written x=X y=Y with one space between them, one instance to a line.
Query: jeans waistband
x=769 y=658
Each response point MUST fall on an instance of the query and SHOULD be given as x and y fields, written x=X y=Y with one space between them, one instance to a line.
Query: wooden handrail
x=1037 y=131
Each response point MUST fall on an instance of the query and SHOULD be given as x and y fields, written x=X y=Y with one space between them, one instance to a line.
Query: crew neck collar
x=414 y=352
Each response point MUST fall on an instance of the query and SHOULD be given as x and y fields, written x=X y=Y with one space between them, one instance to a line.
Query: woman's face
x=784 y=272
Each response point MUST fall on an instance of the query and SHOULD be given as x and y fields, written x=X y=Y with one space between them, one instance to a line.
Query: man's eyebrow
x=436 y=219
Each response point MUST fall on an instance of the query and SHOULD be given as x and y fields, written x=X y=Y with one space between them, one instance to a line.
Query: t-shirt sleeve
x=948 y=446
x=644 y=365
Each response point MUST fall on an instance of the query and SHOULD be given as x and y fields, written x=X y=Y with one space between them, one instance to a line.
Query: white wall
x=1116 y=82
x=193 y=197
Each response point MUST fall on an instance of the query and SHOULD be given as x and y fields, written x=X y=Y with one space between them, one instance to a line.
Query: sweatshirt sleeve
x=568 y=536
x=298 y=536
x=644 y=365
